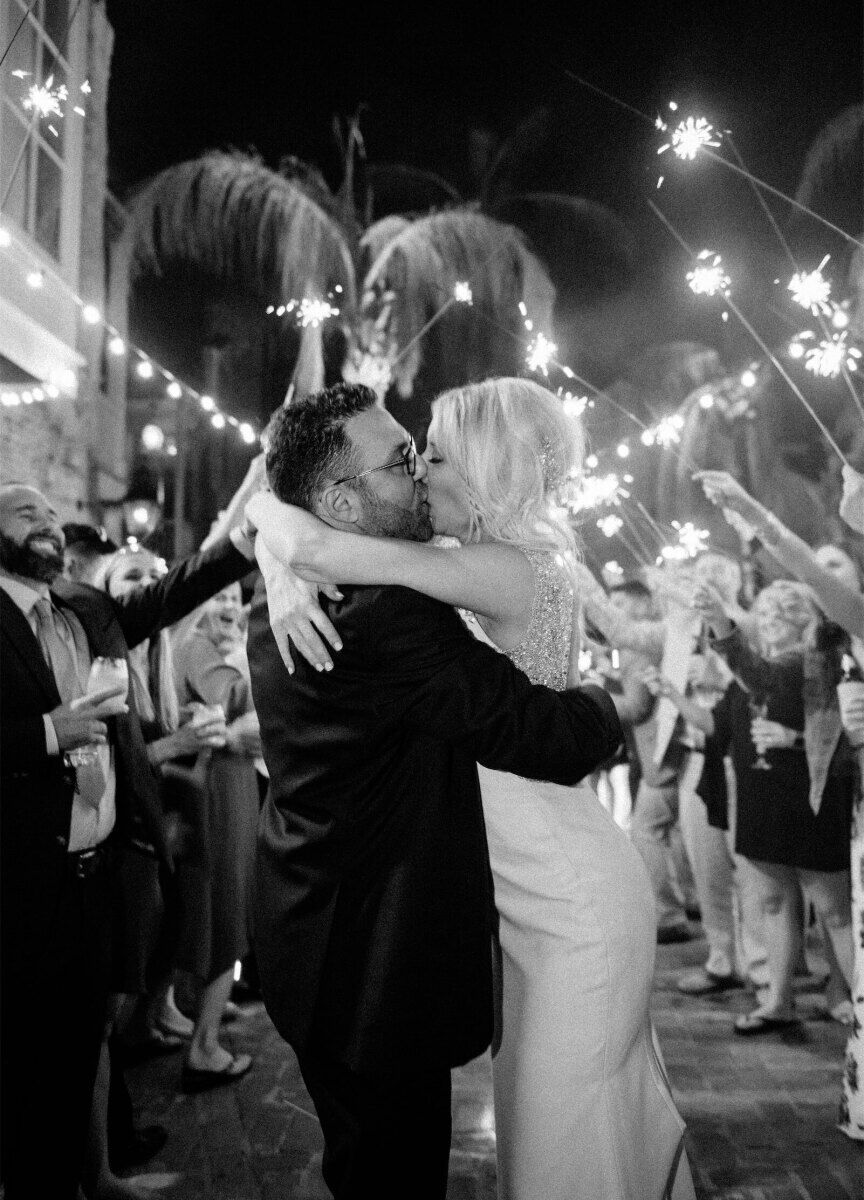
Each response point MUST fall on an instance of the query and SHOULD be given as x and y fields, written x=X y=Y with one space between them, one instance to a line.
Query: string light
x=145 y=368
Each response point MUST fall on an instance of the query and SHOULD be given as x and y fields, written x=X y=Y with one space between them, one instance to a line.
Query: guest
x=57 y=854
x=86 y=549
x=216 y=926
x=792 y=819
x=654 y=827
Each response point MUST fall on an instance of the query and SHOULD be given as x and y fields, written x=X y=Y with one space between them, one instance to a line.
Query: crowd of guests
x=742 y=769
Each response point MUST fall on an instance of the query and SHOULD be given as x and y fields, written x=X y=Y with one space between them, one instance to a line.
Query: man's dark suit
x=374 y=911
x=55 y=977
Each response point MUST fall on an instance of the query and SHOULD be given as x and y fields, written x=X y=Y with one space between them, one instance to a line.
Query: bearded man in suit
x=60 y=822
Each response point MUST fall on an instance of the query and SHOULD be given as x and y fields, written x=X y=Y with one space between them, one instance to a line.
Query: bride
x=582 y=1104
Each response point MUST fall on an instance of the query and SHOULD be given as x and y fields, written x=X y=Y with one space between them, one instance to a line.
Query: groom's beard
x=383 y=519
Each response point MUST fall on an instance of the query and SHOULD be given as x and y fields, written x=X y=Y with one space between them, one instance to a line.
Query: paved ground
x=761 y=1113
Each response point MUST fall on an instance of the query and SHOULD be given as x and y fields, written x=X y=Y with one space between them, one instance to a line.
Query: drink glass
x=848 y=691
x=104 y=673
x=761 y=763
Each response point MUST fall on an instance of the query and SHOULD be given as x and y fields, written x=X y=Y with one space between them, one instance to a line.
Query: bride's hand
x=295 y=614
x=292 y=534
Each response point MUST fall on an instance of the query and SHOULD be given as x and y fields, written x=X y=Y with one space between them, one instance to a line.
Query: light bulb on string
x=207 y=403
x=174 y=390
x=90 y=314
x=144 y=369
x=217 y=421
x=117 y=346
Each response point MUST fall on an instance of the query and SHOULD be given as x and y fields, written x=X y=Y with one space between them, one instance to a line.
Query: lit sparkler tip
x=690 y=539
x=610 y=525
x=812 y=290
x=707 y=279
x=691 y=136
x=315 y=312
x=540 y=353
x=831 y=355
x=462 y=293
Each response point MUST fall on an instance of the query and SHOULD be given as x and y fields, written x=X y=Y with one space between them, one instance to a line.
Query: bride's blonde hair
x=513 y=446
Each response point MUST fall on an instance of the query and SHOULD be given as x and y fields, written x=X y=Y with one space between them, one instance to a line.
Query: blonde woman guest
x=217 y=923
x=793 y=816
x=581 y=1099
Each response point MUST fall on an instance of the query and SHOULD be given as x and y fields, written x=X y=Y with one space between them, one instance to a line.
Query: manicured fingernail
x=338 y=646
x=318 y=667
x=328 y=667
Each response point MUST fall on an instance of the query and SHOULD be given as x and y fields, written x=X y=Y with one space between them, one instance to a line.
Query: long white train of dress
x=583 y=1109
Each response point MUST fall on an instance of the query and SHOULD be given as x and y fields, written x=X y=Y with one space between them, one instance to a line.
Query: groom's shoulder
x=390 y=605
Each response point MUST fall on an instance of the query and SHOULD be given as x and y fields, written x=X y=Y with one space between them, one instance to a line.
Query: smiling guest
x=60 y=823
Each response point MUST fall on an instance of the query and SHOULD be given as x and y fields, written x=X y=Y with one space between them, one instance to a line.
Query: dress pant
x=656 y=834
x=53 y=1014
x=386 y=1136
x=731 y=911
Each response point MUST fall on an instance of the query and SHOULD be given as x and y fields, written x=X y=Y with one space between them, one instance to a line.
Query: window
x=31 y=146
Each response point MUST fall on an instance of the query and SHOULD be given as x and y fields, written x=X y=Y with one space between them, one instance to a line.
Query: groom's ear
x=339 y=506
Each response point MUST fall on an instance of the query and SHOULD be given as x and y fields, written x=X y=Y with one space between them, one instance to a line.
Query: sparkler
x=689 y=137
x=462 y=293
x=610 y=525
x=811 y=290
x=540 y=353
x=830 y=356
x=574 y=406
x=46 y=100
x=592 y=491
x=707 y=279
x=692 y=540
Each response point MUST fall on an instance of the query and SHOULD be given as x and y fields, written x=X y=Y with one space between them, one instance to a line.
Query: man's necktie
x=63 y=662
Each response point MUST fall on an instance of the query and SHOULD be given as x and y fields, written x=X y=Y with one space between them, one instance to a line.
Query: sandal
x=758 y=1022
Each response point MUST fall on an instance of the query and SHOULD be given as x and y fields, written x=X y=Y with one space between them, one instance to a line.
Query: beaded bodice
x=544 y=652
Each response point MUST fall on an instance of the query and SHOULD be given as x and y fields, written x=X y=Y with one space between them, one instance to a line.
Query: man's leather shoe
x=143 y=1145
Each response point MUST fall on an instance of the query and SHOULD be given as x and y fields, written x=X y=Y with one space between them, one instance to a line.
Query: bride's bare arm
x=492 y=580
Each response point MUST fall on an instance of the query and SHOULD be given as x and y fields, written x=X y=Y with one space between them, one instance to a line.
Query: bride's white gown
x=583 y=1110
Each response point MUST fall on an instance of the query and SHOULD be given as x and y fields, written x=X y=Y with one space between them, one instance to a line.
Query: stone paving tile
x=761 y=1113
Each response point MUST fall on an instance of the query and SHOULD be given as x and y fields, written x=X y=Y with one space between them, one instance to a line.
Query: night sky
x=189 y=75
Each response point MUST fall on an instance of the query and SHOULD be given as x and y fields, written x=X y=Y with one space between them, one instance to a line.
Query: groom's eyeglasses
x=407 y=459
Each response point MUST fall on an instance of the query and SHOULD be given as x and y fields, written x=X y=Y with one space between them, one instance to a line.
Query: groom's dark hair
x=308 y=443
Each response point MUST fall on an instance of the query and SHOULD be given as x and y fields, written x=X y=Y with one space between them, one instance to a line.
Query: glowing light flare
x=689 y=137
x=592 y=491
x=35 y=279
x=671 y=554
x=247 y=433
x=315 y=312
x=5 y=239
x=667 y=432
x=117 y=346
x=691 y=539
x=708 y=278
x=623 y=450
x=45 y=100
x=610 y=525
x=462 y=293
x=574 y=406
x=91 y=314
x=828 y=358
x=207 y=403
x=540 y=354
x=217 y=421
x=812 y=290
x=144 y=369
x=174 y=390
x=748 y=378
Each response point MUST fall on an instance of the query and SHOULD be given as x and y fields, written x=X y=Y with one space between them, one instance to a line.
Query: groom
x=374 y=915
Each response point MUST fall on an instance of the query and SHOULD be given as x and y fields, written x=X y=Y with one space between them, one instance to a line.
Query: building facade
x=62 y=394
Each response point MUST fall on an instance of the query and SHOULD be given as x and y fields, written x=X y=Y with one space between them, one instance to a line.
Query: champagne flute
x=760 y=710
x=105 y=672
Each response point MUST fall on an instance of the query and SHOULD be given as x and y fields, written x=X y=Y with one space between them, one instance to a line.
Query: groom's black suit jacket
x=374 y=909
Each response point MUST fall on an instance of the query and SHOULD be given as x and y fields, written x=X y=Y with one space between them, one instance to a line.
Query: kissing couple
x=432 y=872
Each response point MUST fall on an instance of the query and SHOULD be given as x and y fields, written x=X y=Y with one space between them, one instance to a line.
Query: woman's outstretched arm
x=492 y=580
x=838 y=601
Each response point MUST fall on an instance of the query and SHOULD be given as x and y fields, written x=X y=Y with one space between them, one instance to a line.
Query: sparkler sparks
x=46 y=100
x=574 y=406
x=315 y=312
x=462 y=293
x=812 y=290
x=708 y=278
x=665 y=433
x=591 y=491
x=610 y=525
x=689 y=136
x=540 y=354
x=692 y=540
x=830 y=356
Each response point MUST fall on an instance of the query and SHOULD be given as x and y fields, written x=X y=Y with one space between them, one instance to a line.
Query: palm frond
x=231 y=217
x=400 y=188
x=418 y=269
x=832 y=178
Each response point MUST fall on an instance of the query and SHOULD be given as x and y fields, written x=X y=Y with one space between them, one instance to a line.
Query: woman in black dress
x=794 y=782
